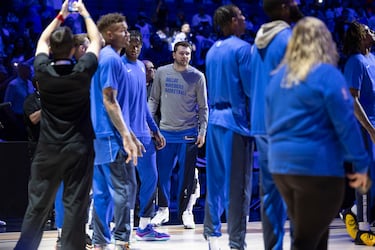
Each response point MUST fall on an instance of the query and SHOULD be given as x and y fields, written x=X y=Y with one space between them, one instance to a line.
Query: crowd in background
x=22 y=22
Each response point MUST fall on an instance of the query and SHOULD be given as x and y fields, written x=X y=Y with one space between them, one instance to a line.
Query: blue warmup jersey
x=110 y=74
x=228 y=94
x=360 y=74
x=139 y=116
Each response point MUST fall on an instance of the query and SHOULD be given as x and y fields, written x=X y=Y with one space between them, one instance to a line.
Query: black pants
x=186 y=155
x=313 y=202
x=71 y=163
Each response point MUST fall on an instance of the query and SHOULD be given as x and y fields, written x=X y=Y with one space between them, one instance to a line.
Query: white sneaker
x=188 y=220
x=162 y=216
x=213 y=243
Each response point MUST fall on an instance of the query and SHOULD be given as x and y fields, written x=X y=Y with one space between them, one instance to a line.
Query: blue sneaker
x=149 y=234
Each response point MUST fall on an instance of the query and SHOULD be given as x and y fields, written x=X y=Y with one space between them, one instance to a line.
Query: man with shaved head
x=150 y=75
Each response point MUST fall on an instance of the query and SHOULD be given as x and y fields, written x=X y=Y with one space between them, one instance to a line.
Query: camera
x=71 y=7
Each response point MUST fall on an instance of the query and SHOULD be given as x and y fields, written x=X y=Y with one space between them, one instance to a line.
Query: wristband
x=86 y=17
x=60 y=17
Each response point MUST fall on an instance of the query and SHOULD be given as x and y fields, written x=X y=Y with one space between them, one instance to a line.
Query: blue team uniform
x=267 y=53
x=142 y=123
x=229 y=147
x=359 y=73
x=114 y=182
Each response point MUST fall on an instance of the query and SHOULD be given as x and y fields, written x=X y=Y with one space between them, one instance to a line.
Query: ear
x=233 y=23
x=108 y=35
x=82 y=48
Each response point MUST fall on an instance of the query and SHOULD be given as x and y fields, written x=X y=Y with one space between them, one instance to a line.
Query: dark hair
x=223 y=16
x=135 y=34
x=61 y=42
x=79 y=39
x=107 y=20
x=183 y=44
x=352 y=40
x=272 y=8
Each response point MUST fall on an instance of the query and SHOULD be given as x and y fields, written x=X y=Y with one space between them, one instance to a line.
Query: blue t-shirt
x=110 y=73
x=141 y=121
x=227 y=72
x=311 y=126
x=359 y=72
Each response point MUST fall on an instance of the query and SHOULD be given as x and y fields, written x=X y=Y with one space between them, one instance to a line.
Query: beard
x=182 y=63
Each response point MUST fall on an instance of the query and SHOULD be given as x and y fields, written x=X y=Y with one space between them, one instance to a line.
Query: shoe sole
x=150 y=239
x=189 y=227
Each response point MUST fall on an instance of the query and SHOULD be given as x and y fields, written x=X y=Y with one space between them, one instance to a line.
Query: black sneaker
x=89 y=244
x=58 y=243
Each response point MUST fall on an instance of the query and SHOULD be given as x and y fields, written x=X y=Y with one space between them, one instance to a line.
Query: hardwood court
x=182 y=239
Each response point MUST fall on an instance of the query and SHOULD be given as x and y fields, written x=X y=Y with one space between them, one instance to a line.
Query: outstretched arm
x=43 y=43
x=92 y=31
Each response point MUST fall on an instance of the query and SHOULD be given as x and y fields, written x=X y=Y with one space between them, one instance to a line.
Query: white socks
x=143 y=222
x=364 y=226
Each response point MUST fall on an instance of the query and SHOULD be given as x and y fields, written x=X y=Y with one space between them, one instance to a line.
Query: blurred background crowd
x=161 y=22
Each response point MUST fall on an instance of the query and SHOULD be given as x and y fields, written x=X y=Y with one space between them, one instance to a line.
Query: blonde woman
x=311 y=125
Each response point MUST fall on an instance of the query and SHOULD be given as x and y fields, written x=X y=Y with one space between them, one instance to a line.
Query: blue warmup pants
x=273 y=208
x=114 y=191
x=148 y=176
x=365 y=202
x=186 y=156
x=229 y=170
x=59 y=207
